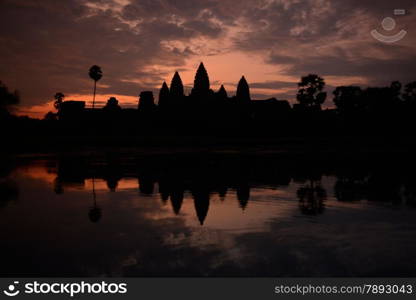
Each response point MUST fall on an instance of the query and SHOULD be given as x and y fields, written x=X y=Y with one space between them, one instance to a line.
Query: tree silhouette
x=243 y=91
x=396 y=88
x=395 y=94
x=7 y=99
x=382 y=99
x=310 y=91
x=95 y=74
x=50 y=116
x=176 y=86
x=409 y=94
x=59 y=98
x=348 y=98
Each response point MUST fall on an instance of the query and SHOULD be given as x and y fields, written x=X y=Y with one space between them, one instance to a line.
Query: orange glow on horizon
x=225 y=68
x=39 y=111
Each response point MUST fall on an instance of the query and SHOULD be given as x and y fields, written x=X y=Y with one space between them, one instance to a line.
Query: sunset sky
x=48 y=46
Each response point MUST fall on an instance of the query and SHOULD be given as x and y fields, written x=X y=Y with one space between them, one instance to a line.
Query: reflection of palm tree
x=311 y=199
x=95 y=211
x=95 y=74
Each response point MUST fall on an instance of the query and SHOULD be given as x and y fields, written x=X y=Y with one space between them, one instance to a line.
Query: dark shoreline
x=345 y=145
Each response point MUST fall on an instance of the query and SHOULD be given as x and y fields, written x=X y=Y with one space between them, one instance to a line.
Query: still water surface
x=123 y=216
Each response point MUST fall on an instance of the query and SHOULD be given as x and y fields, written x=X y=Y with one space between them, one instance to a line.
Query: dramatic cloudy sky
x=48 y=46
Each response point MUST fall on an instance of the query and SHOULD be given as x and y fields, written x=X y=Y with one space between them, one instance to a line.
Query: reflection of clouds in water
x=37 y=171
x=131 y=230
x=351 y=243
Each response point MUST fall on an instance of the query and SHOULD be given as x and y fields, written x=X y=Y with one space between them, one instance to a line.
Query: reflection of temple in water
x=203 y=178
x=170 y=179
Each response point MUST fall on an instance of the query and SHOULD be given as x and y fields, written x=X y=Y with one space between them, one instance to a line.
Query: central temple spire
x=201 y=82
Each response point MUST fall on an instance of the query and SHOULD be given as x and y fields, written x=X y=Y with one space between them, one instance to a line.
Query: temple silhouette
x=173 y=104
x=205 y=112
x=204 y=116
x=200 y=178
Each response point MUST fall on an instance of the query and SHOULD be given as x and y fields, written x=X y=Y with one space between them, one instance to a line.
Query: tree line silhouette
x=356 y=111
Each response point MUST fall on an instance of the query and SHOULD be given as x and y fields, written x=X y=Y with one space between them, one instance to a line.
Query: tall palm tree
x=95 y=74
